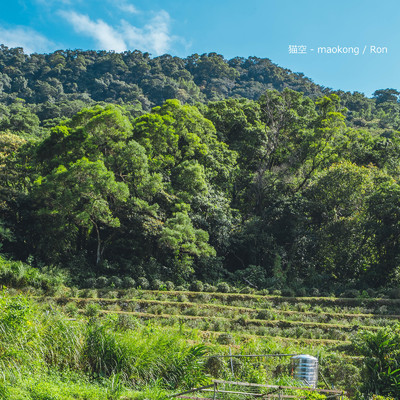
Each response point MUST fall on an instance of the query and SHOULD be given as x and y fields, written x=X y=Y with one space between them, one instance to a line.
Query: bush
x=225 y=338
x=350 y=293
x=266 y=315
x=157 y=284
x=394 y=293
x=182 y=298
x=90 y=283
x=126 y=322
x=101 y=282
x=276 y=292
x=92 y=310
x=71 y=309
x=115 y=282
x=247 y=290
x=88 y=293
x=288 y=292
x=196 y=286
x=128 y=282
x=143 y=283
x=110 y=294
x=238 y=365
x=314 y=292
x=223 y=287
x=209 y=288
x=214 y=366
x=170 y=286
x=301 y=292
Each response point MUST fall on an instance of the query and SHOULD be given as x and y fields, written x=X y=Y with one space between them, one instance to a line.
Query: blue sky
x=262 y=28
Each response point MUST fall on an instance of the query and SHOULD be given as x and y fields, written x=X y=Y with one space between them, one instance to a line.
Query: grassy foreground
x=47 y=355
x=148 y=345
x=44 y=355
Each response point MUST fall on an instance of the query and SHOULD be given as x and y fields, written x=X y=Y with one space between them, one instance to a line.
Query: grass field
x=140 y=344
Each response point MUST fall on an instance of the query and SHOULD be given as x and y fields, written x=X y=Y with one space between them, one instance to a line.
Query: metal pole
x=230 y=353
x=215 y=391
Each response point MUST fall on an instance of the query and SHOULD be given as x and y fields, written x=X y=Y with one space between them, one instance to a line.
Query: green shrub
x=301 y=292
x=196 y=286
x=88 y=293
x=115 y=282
x=214 y=366
x=394 y=293
x=126 y=322
x=209 y=288
x=128 y=282
x=288 y=292
x=247 y=290
x=92 y=310
x=112 y=294
x=225 y=338
x=182 y=298
x=71 y=309
x=170 y=286
x=157 y=284
x=302 y=307
x=223 y=287
x=350 y=293
x=266 y=315
x=143 y=283
x=314 y=292
x=90 y=283
x=238 y=365
x=101 y=282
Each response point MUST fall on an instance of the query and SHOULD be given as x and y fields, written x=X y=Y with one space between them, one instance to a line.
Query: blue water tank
x=305 y=369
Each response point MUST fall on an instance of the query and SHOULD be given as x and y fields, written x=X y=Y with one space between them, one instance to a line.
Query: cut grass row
x=233 y=311
x=326 y=301
x=255 y=322
x=251 y=320
x=287 y=329
x=208 y=333
x=331 y=304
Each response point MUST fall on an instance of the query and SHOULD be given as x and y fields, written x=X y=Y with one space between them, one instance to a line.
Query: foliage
x=381 y=371
x=123 y=167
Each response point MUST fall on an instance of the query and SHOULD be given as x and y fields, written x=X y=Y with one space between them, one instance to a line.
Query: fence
x=224 y=390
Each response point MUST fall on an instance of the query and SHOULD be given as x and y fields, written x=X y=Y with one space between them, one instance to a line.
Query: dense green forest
x=131 y=169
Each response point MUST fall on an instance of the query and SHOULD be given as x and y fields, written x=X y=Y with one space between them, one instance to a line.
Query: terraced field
x=319 y=319
x=254 y=324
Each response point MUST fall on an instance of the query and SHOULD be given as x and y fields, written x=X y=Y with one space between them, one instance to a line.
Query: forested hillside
x=132 y=168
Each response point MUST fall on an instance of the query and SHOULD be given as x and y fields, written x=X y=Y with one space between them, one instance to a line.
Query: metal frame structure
x=219 y=391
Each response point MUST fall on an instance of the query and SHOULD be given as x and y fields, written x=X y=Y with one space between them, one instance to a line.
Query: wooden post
x=215 y=391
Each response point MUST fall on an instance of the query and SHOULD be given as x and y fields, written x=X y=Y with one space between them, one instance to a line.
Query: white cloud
x=126 y=7
x=29 y=39
x=154 y=37
x=106 y=37
x=56 y=2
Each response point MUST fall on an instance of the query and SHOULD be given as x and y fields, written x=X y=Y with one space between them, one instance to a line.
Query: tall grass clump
x=16 y=274
x=144 y=356
x=40 y=349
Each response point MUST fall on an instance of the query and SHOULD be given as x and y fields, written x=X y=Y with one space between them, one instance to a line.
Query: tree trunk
x=98 y=252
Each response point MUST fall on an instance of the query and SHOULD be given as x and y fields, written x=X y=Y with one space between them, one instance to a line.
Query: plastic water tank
x=305 y=369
